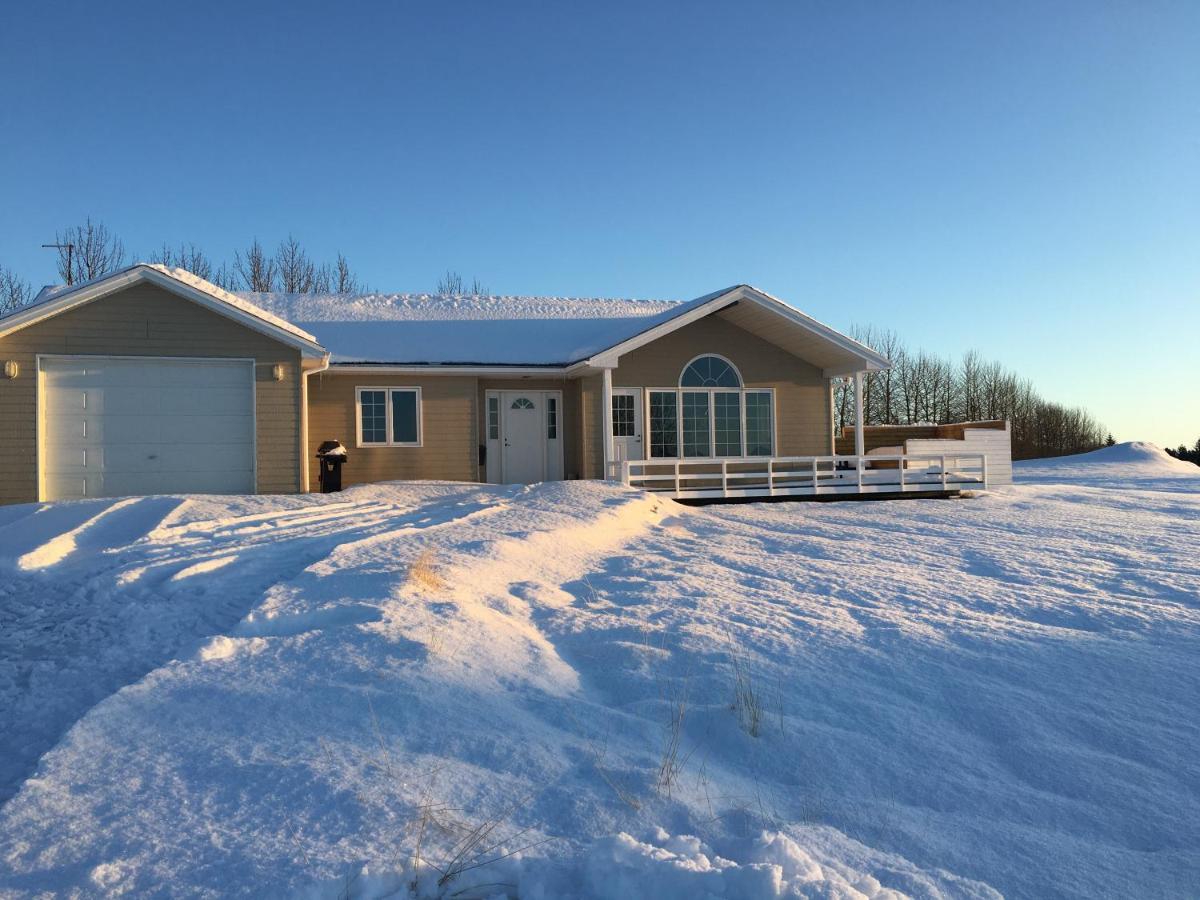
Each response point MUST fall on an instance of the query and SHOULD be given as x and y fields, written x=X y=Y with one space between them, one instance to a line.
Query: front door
x=524 y=441
x=627 y=424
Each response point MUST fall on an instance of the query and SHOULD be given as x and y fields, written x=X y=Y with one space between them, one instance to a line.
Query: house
x=152 y=380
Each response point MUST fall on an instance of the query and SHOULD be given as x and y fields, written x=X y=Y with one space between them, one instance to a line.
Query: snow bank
x=1134 y=464
x=297 y=695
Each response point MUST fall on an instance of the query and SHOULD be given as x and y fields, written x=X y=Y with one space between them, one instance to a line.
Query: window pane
x=493 y=406
x=622 y=416
x=551 y=418
x=373 y=412
x=710 y=371
x=695 y=424
x=404 y=417
x=759 y=428
x=664 y=424
x=523 y=403
x=727 y=410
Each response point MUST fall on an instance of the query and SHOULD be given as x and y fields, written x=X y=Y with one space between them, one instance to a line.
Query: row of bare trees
x=922 y=387
x=91 y=251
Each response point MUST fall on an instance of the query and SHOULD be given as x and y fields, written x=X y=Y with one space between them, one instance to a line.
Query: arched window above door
x=523 y=403
x=710 y=371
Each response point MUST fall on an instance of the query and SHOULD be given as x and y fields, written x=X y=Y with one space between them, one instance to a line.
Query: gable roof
x=51 y=301
x=550 y=332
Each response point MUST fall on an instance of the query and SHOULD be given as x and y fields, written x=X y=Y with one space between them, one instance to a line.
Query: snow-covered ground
x=271 y=696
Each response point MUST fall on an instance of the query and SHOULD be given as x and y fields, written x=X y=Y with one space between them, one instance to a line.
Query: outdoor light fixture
x=277 y=371
x=11 y=368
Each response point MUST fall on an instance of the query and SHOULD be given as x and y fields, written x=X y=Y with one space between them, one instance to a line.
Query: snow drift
x=578 y=690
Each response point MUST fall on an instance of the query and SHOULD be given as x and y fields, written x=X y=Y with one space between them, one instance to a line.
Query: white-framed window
x=389 y=416
x=710 y=415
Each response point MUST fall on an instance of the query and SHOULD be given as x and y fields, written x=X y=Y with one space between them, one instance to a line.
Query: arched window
x=523 y=403
x=710 y=371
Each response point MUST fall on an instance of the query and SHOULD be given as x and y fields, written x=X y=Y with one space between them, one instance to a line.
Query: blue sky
x=1023 y=179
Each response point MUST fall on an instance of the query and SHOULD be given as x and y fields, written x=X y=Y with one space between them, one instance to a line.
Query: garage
x=117 y=426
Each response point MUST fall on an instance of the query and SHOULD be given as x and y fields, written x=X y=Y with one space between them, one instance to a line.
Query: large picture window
x=389 y=416
x=711 y=415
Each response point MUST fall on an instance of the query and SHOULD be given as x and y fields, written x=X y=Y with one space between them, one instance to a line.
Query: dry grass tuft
x=747 y=698
x=423 y=572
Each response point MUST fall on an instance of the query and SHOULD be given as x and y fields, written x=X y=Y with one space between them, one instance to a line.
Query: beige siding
x=592 y=426
x=448 y=430
x=146 y=320
x=804 y=422
x=571 y=425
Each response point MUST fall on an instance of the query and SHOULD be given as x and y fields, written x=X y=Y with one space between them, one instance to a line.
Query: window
x=664 y=424
x=493 y=414
x=523 y=403
x=727 y=423
x=710 y=416
x=551 y=418
x=710 y=371
x=696 y=424
x=372 y=406
x=760 y=430
x=623 y=424
x=389 y=417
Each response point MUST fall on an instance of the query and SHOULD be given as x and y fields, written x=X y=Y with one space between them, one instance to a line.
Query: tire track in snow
x=95 y=617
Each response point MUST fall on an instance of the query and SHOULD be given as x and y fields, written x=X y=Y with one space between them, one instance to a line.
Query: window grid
x=493 y=408
x=623 y=424
x=696 y=422
x=551 y=418
x=523 y=403
x=710 y=371
x=664 y=424
x=389 y=417
x=727 y=423
x=374 y=416
x=759 y=427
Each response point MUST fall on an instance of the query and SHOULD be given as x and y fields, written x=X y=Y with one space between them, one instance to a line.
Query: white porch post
x=859 y=440
x=606 y=414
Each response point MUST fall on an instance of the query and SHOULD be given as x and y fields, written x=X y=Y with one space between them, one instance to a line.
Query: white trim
x=870 y=359
x=725 y=359
x=388 y=390
x=241 y=312
x=511 y=371
x=40 y=399
x=606 y=416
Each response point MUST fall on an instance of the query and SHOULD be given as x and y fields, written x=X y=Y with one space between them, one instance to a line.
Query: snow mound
x=261 y=696
x=1136 y=464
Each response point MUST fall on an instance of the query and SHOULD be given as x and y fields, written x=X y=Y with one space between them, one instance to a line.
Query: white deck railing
x=785 y=476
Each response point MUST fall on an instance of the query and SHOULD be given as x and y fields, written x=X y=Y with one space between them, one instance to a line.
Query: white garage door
x=113 y=427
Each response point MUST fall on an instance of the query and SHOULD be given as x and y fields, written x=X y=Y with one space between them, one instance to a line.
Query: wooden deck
x=815 y=477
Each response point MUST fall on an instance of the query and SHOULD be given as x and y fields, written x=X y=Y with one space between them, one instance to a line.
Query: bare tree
x=296 y=271
x=15 y=291
x=190 y=258
x=323 y=277
x=255 y=271
x=450 y=284
x=345 y=282
x=479 y=289
x=88 y=251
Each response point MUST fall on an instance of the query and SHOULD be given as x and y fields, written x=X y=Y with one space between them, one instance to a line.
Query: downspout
x=304 y=373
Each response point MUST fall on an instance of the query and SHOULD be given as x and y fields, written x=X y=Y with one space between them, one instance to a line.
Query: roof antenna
x=70 y=248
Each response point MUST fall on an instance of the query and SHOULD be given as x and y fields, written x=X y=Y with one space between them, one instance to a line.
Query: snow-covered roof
x=433 y=330
x=430 y=329
x=53 y=299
